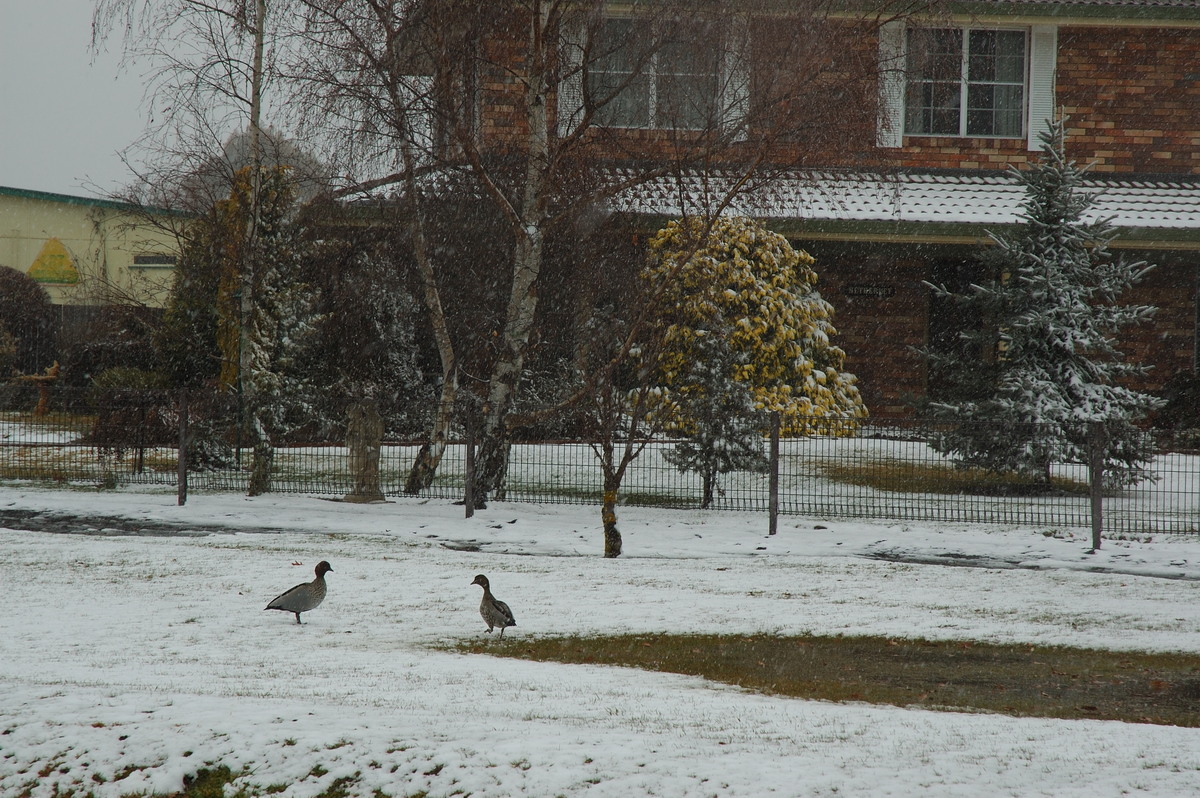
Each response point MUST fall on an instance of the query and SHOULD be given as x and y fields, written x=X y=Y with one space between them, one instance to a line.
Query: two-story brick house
x=959 y=98
x=1127 y=78
x=890 y=164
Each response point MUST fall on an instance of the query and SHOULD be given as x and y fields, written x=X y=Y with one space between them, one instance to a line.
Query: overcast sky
x=63 y=117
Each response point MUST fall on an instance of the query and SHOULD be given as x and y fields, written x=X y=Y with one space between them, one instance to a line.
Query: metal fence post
x=181 y=485
x=1096 y=478
x=773 y=496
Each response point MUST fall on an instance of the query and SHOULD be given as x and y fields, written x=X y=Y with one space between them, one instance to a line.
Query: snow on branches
x=1039 y=360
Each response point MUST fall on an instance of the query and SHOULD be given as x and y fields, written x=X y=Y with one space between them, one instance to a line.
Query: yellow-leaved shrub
x=764 y=291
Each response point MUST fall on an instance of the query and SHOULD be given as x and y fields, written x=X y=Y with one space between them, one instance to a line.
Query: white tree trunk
x=527 y=266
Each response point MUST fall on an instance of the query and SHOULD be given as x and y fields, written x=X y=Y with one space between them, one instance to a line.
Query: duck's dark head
x=482 y=581
x=323 y=568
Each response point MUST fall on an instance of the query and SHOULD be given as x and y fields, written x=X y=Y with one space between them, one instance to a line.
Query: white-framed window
x=963 y=81
x=966 y=82
x=637 y=80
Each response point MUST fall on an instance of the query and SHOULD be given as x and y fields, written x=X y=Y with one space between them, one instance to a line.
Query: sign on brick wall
x=872 y=290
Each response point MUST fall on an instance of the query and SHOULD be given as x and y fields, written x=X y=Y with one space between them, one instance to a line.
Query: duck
x=494 y=611
x=304 y=596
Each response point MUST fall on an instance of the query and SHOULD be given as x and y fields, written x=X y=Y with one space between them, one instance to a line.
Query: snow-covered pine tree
x=724 y=428
x=277 y=387
x=1042 y=362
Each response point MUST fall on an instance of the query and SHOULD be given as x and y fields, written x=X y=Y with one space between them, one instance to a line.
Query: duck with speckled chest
x=494 y=611
x=304 y=596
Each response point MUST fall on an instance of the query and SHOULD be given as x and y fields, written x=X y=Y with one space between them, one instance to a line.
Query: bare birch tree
x=534 y=97
x=374 y=74
x=210 y=68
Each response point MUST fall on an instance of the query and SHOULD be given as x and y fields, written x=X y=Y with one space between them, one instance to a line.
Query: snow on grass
x=130 y=661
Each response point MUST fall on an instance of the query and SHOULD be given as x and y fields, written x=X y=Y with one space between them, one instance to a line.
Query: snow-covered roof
x=1150 y=207
x=1150 y=211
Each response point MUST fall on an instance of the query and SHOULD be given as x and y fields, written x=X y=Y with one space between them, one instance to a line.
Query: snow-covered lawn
x=149 y=657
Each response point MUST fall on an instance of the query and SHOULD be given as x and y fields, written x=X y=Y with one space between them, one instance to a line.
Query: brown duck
x=494 y=611
x=304 y=596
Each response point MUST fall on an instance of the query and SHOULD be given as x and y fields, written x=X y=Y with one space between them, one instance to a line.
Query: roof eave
x=93 y=202
x=875 y=231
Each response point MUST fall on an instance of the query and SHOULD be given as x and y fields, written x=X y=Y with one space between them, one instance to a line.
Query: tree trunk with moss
x=264 y=458
x=429 y=457
x=425 y=465
x=608 y=514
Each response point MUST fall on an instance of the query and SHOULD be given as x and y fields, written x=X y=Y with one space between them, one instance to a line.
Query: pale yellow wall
x=83 y=251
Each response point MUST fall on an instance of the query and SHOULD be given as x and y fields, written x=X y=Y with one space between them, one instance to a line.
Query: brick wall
x=502 y=111
x=938 y=152
x=882 y=310
x=882 y=316
x=1132 y=96
x=1132 y=99
x=1168 y=342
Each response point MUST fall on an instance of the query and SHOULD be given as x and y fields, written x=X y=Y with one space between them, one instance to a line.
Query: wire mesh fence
x=880 y=470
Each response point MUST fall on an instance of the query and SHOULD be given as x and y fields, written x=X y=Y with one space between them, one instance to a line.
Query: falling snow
x=132 y=660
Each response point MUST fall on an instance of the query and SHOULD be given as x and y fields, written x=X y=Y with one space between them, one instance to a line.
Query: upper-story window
x=965 y=82
x=639 y=81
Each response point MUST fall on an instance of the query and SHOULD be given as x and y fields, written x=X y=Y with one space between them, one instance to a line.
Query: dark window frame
x=155 y=260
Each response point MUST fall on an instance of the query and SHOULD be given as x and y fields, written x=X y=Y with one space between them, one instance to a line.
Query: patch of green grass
x=56 y=420
x=581 y=495
x=668 y=500
x=340 y=788
x=205 y=783
x=906 y=477
x=1018 y=680
x=210 y=783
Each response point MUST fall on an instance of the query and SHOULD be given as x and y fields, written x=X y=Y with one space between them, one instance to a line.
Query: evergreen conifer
x=1023 y=389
